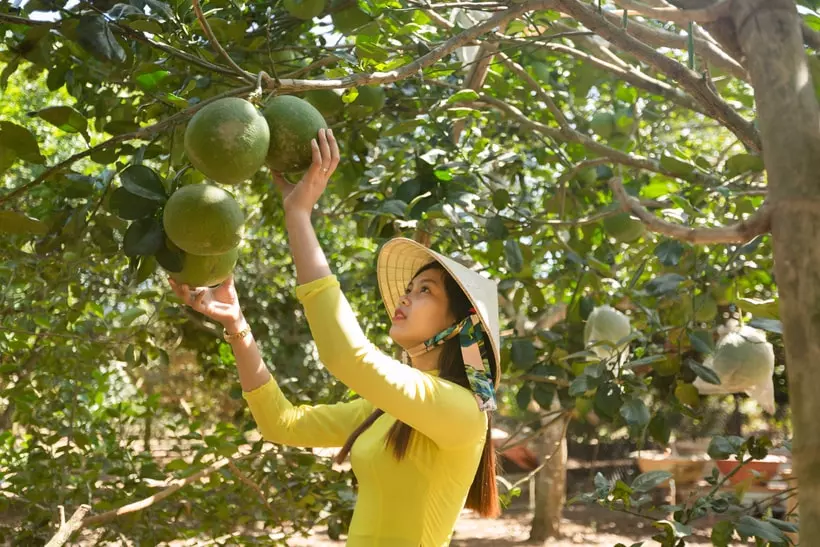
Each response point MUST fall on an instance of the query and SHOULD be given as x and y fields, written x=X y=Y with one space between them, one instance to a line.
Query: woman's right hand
x=219 y=303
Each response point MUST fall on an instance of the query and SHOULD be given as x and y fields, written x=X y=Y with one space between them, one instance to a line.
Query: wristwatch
x=236 y=335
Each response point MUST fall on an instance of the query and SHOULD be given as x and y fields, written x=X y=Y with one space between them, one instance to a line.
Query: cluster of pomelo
x=229 y=140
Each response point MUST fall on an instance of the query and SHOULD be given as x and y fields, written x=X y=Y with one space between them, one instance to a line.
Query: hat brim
x=399 y=260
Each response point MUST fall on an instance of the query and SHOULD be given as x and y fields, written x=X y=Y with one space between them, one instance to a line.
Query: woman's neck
x=427 y=361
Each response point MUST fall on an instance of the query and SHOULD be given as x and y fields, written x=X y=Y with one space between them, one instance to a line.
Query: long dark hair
x=483 y=495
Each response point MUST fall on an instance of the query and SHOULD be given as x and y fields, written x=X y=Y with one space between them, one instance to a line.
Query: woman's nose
x=404 y=299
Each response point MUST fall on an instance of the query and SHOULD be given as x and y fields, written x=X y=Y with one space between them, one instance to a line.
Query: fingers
x=324 y=151
x=334 y=150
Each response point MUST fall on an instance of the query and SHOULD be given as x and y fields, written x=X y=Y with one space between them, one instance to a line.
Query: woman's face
x=423 y=311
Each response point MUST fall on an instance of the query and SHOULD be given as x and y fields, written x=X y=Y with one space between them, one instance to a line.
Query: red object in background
x=756 y=471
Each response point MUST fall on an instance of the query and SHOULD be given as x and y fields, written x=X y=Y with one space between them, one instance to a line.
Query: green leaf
x=602 y=485
x=669 y=252
x=65 y=118
x=608 y=400
x=770 y=325
x=7 y=158
x=12 y=222
x=130 y=315
x=22 y=141
x=675 y=165
x=721 y=447
x=649 y=480
x=496 y=229
x=150 y=80
x=581 y=385
x=463 y=95
x=635 y=412
x=665 y=283
x=659 y=429
x=522 y=353
x=679 y=530
x=646 y=361
x=704 y=373
x=171 y=260
x=143 y=182
x=722 y=533
x=95 y=36
x=790 y=527
x=512 y=252
x=742 y=163
x=750 y=526
x=524 y=396
x=701 y=340
x=544 y=394
x=394 y=207
x=127 y=206
x=143 y=237
x=501 y=198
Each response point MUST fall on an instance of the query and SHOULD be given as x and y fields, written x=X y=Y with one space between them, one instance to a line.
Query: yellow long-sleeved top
x=409 y=503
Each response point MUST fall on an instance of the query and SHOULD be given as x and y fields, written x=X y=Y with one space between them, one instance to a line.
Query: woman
x=418 y=436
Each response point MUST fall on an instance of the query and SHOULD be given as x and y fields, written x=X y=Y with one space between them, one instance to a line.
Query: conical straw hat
x=400 y=259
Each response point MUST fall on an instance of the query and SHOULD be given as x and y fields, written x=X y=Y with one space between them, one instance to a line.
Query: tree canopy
x=581 y=154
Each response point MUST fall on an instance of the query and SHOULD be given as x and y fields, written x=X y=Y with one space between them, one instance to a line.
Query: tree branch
x=203 y=22
x=142 y=133
x=810 y=36
x=67 y=528
x=691 y=81
x=741 y=232
x=658 y=38
x=630 y=74
x=175 y=485
x=679 y=16
x=616 y=156
x=539 y=91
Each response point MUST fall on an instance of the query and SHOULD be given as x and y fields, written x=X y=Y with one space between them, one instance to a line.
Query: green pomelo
x=706 y=307
x=304 y=9
x=293 y=123
x=203 y=219
x=688 y=394
x=349 y=19
x=668 y=367
x=624 y=227
x=326 y=101
x=206 y=271
x=281 y=56
x=227 y=140
x=370 y=96
x=603 y=124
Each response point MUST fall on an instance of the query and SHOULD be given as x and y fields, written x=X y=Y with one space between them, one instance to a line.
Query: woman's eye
x=425 y=289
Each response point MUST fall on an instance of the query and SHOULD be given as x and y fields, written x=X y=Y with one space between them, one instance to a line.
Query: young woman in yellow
x=419 y=435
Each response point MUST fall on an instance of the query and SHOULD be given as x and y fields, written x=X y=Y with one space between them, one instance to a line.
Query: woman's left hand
x=302 y=197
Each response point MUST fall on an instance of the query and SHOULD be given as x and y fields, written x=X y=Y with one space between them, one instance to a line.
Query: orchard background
x=512 y=135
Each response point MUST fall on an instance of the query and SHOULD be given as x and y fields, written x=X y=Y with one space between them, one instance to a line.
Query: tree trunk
x=551 y=481
x=770 y=36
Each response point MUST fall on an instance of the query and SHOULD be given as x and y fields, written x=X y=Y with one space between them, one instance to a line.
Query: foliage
x=99 y=364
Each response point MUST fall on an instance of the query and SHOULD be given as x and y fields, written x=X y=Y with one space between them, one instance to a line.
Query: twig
x=245 y=479
x=215 y=43
x=67 y=528
x=810 y=36
x=567 y=419
x=741 y=232
x=689 y=80
x=175 y=485
x=142 y=133
x=539 y=91
x=564 y=179
x=680 y=16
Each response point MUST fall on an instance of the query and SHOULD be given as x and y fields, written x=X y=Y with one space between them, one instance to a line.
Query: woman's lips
x=399 y=315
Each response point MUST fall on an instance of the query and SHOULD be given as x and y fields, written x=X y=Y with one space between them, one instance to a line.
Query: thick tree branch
x=570 y=135
x=680 y=16
x=741 y=232
x=67 y=528
x=143 y=133
x=691 y=81
x=706 y=49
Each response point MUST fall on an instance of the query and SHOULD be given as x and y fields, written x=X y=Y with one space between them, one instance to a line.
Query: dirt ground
x=582 y=525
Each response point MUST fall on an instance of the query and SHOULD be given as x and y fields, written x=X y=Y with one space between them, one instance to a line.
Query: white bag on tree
x=607 y=325
x=744 y=362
